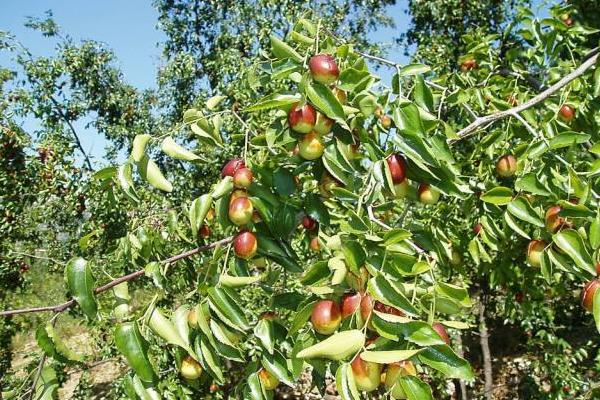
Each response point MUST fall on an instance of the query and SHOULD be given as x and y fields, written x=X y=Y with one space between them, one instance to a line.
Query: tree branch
x=473 y=127
x=58 y=308
x=77 y=141
x=534 y=83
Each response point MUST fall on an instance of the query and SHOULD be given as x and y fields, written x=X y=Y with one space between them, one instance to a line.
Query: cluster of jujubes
x=554 y=222
x=397 y=166
x=326 y=318
x=241 y=210
x=305 y=120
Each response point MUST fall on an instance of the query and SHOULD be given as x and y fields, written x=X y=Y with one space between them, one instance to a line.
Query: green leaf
x=283 y=182
x=53 y=346
x=394 y=236
x=345 y=384
x=383 y=291
x=354 y=254
x=198 y=210
x=338 y=346
x=414 y=69
x=301 y=318
x=47 y=384
x=499 y=195
x=283 y=50
x=174 y=150
x=417 y=332
x=139 y=147
x=388 y=356
x=276 y=364
x=414 y=388
x=566 y=139
x=275 y=101
x=530 y=183
x=210 y=360
x=314 y=207
x=422 y=94
x=443 y=358
x=323 y=99
x=229 y=311
x=596 y=309
x=152 y=174
x=569 y=241
x=595 y=232
x=214 y=101
x=460 y=294
x=521 y=209
x=510 y=221
x=80 y=282
x=264 y=332
x=134 y=347
x=167 y=330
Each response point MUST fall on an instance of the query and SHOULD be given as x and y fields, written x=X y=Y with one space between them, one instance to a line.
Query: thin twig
x=58 y=308
x=54 y=260
x=73 y=131
x=247 y=133
x=40 y=366
x=490 y=119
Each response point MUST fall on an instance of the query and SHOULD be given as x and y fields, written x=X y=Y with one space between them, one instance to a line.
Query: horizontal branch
x=134 y=275
x=480 y=122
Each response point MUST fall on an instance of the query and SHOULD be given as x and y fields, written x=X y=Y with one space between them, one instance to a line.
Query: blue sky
x=129 y=28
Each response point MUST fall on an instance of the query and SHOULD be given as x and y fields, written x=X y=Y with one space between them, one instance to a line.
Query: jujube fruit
x=367 y=374
x=535 y=248
x=267 y=379
x=506 y=166
x=243 y=177
x=190 y=368
x=323 y=68
x=326 y=317
x=230 y=168
x=427 y=194
x=311 y=146
x=302 y=119
x=587 y=294
x=245 y=245
x=397 y=167
x=240 y=211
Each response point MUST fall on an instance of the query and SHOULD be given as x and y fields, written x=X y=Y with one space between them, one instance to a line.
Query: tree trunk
x=459 y=383
x=485 y=349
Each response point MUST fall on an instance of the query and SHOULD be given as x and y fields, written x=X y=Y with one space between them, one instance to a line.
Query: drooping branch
x=486 y=120
x=73 y=131
x=134 y=275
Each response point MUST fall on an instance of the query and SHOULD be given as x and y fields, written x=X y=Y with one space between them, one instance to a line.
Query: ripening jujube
x=243 y=178
x=441 y=330
x=350 y=304
x=397 y=167
x=567 y=112
x=240 y=211
x=190 y=368
x=587 y=294
x=367 y=374
x=231 y=167
x=428 y=194
x=302 y=119
x=245 y=244
x=323 y=125
x=392 y=376
x=535 y=249
x=323 y=68
x=506 y=166
x=267 y=379
x=326 y=317
x=311 y=146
